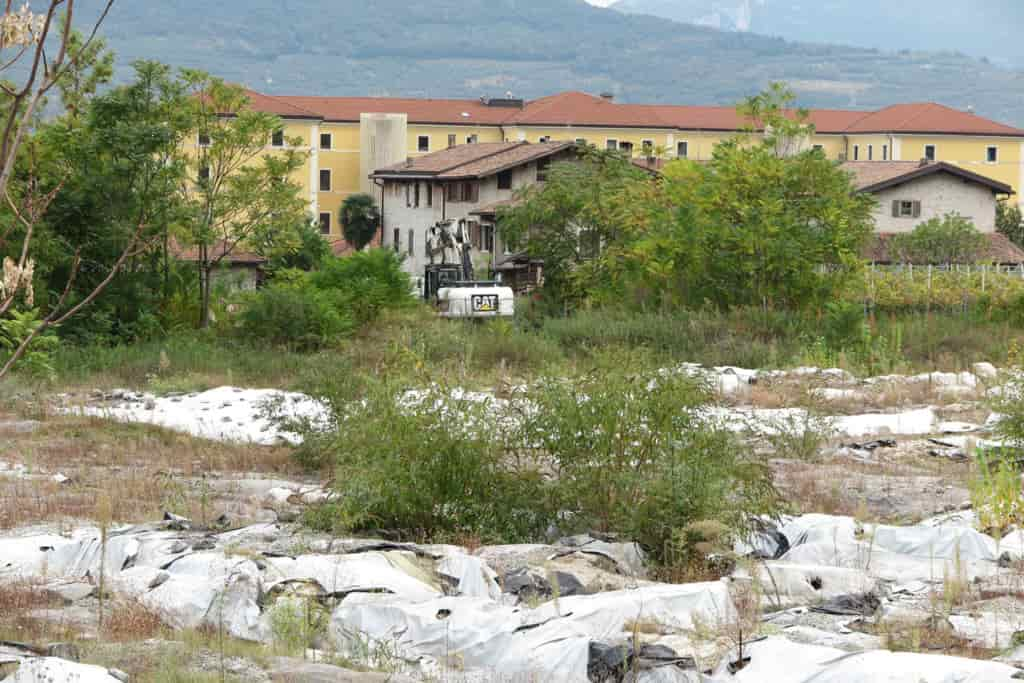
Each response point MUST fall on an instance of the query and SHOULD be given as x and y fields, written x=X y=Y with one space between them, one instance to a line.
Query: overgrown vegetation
x=618 y=452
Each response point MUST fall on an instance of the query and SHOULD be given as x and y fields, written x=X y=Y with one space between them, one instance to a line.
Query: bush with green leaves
x=298 y=317
x=38 y=358
x=368 y=282
x=639 y=457
x=950 y=239
x=431 y=466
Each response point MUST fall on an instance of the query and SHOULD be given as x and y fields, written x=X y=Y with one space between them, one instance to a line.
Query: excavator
x=449 y=279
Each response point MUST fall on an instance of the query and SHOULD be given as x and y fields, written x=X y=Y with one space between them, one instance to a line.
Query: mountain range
x=472 y=48
x=982 y=28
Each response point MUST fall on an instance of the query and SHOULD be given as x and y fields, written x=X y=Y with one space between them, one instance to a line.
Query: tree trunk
x=204 y=287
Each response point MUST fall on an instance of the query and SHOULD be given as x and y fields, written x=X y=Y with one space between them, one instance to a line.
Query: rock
x=61 y=478
x=177 y=522
x=158 y=580
x=287 y=670
x=854 y=604
x=204 y=544
x=68 y=651
x=177 y=548
x=278 y=495
x=985 y=371
x=119 y=675
x=71 y=592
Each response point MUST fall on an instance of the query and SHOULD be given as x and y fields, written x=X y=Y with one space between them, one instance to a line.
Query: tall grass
x=414 y=345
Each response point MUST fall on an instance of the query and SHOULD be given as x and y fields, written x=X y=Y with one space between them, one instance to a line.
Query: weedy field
x=601 y=499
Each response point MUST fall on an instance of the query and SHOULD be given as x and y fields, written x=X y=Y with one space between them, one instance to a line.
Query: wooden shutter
x=895 y=208
x=917 y=209
x=474 y=235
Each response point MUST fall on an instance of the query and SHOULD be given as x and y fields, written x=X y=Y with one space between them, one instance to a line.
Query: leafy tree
x=116 y=158
x=238 y=194
x=950 y=239
x=1010 y=222
x=360 y=220
x=566 y=220
x=42 y=51
x=760 y=224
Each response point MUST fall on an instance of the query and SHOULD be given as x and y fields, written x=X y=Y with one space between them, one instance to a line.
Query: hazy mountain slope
x=444 y=48
x=983 y=28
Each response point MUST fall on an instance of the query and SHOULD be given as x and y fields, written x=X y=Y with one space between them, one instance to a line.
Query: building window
x=488 y=232
x=648 y=147
x=885 y=152
x=408 y=195
x=471 y=139
x=611 y=144
x=992 y=155
x=871 y=152
x=544 y=138
x=277 y=139
x=463 y=192
x=423 y=143
x=819 y=148
x=505 y=180
x=929 y=152
x=325 y=180
x=856 y=152
x=416 y=195
x=430 y=194
x=397 y=239
x=581 y=142
x=542 y=169
x=474 y=234
x=452 y=140
x=410 y=245
x=326 y=141
x=204 y=139
x=626 y=147
x=204 y=173
x=325 y=224
x=905 y=208
x=683 y=150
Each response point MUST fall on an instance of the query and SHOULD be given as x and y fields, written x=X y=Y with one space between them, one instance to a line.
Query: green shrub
x=37 y=359
x=634 y=456
x=433 y=468
x=300 y=318
x=950 y=239
x=368 y=282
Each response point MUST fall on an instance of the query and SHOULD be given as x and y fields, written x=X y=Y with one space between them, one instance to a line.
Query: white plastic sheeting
x=53 y=670
x=550 y=642
x=782 y=661
x=923 y=552
x=223 y=414
x=471 y=575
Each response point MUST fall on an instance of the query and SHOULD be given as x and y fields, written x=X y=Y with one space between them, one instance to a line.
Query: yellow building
x=350 y=137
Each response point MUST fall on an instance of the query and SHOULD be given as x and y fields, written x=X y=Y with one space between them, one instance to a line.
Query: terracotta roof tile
x=478 y=160
x=998 y=249
x=868 y=173
x=463 y=112
x=580 y=109
x=872 y=176
x=928 y=117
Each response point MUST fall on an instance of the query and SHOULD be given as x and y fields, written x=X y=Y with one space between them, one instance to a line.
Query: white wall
x=939 y=194
x=419 y=219
x=382 y=141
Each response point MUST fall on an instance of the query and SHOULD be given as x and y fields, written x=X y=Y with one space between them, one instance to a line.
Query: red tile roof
x=580 y=109
x=997 y=249
x=874 y=176
x=928 y=117
x=480 y=160
x=463 y=112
